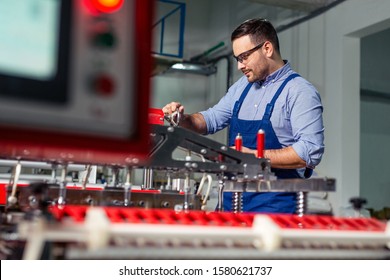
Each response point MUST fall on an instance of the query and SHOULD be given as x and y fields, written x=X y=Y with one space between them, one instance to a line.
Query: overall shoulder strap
x=241 y=100
x=270 y=106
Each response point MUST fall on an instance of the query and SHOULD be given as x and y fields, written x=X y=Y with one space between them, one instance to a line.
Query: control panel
x=76 y=79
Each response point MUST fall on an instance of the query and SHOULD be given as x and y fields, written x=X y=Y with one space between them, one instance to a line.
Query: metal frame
x=181 y=8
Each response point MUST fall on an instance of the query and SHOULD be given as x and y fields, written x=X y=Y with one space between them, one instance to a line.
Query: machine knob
x=357 y=202
x=141 y=203
x=165 y=204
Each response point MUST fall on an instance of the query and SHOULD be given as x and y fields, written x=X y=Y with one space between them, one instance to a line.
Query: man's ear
x=268 y=49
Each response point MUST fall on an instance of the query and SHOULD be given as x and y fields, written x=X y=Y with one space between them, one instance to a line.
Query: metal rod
x=186 y=205
x=12 y=200
x=127 y=187
x=62 y=190
x=221 y=185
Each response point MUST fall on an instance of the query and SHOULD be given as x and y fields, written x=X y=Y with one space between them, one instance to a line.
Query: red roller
x=260 y=143
x=238 y=142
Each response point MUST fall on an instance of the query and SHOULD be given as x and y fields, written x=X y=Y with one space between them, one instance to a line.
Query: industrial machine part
x=237 y=172
x=30 y=208
x=33 y=196
x=81 y=232
x=213 y=156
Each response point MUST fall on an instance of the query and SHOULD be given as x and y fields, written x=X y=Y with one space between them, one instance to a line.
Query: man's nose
x=240 y=65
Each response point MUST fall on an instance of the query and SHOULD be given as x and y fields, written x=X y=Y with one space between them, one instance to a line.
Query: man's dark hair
x=259 y=29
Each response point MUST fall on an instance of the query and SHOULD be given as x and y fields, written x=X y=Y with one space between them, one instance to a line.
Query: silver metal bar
x=41 y=165
x=281 y=185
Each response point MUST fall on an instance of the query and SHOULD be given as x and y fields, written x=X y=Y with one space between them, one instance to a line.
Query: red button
x=104 y=85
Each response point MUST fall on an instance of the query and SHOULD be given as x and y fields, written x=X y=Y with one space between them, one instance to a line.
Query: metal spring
x=237 y=202
x=301 y=203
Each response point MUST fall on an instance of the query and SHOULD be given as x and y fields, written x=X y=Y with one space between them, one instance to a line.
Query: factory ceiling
x=286 y=13
x=282 y=13
x=300 y=5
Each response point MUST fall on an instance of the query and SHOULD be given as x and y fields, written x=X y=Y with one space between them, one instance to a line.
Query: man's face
x=253 y=63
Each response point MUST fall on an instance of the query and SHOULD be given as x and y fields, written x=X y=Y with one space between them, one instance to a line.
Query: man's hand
x=173 y=107
x=194 y=122
x=173 y=113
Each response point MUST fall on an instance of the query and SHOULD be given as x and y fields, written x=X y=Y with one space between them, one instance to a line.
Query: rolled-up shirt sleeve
x=306 y=121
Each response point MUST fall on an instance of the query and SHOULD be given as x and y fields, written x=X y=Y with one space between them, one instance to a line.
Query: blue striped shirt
x=296 y=118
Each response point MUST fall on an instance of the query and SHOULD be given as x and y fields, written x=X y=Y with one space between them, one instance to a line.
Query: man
x=272 y=97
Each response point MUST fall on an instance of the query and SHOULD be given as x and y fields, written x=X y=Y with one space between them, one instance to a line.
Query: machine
x=66 y=220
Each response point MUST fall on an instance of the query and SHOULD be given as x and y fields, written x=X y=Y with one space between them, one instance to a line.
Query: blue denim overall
x=267 y=202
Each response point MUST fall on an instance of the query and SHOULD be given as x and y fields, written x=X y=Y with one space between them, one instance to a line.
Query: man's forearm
x=284 y=158
x=194 y=122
